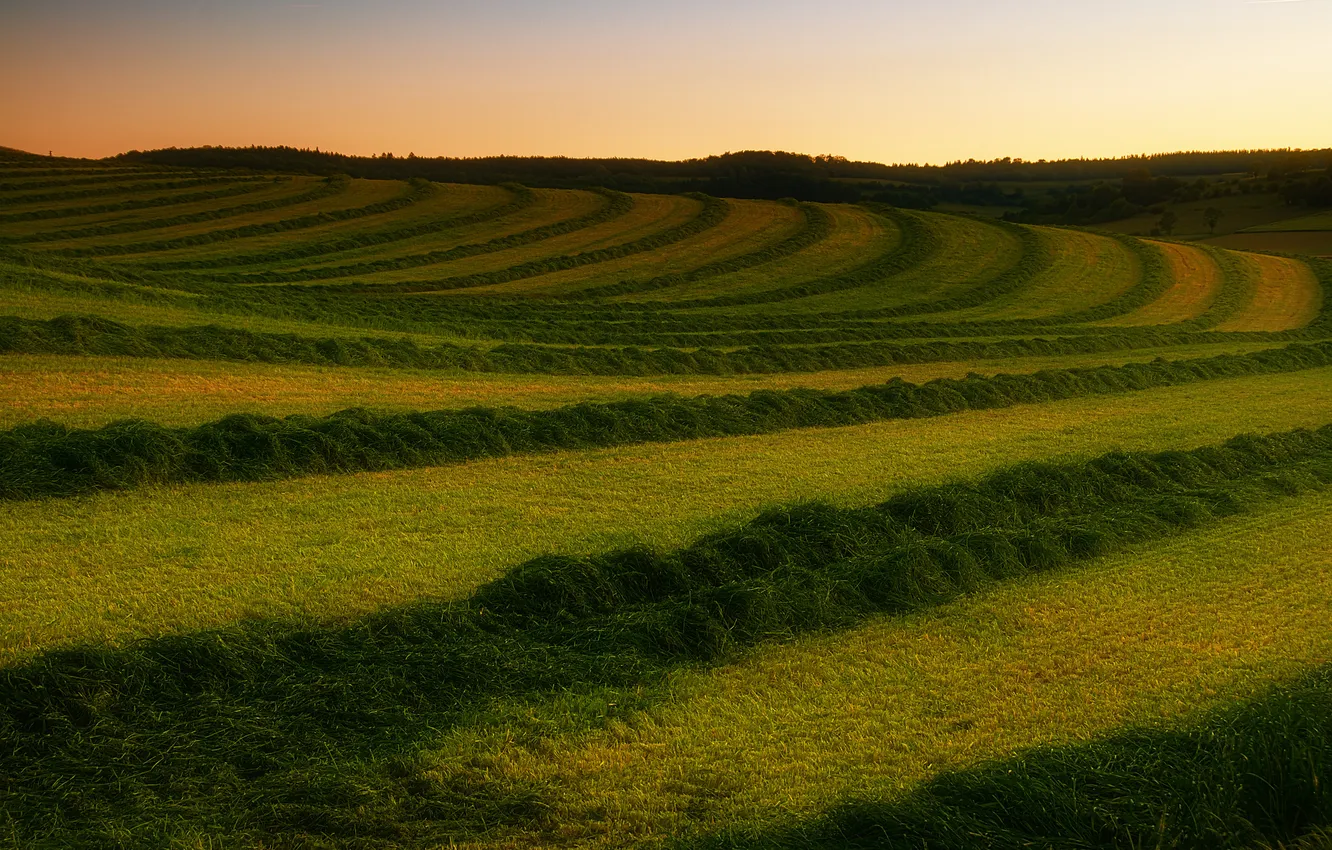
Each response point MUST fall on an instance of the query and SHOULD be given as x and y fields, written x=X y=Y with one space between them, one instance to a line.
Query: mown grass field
x=372 y=514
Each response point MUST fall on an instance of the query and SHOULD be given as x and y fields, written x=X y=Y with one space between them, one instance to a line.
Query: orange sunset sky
x=885 y=81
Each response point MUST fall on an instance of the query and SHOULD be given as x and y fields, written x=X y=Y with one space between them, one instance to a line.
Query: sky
x=887 y=81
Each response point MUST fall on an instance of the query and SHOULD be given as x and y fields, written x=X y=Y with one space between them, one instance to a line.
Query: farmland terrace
x=364 y=513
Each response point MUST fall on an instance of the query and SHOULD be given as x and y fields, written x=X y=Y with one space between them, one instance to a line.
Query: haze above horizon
x=888 y=82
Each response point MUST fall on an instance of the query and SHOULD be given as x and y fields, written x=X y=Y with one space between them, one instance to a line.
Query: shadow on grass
x=296 y=733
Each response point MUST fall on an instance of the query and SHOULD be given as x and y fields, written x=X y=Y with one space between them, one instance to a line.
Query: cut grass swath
x=52 y=460
x=288 y=731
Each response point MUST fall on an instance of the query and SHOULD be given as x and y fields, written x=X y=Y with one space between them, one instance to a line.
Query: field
x=345 y=513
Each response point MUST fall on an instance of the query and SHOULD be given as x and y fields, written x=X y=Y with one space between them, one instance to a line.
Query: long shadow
x=282 y=731
x=1249 y=775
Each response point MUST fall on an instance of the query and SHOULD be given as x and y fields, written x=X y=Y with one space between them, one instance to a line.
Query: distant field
x=1318 y=221
x=1313 y=242
x=662 y=515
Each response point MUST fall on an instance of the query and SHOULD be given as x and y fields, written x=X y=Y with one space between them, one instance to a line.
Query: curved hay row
x=857 y=238
x=970 y=253
x=651 y=214
x=83 y=213
x=82 y=391
x=21 y=202
x=93 y=230
x=1084 y=270
x=751 y=231
x=58 y=182
x=437 y=210
x=1196 y=282
x=341 y=200
x=1287 y=295
x=551 y=215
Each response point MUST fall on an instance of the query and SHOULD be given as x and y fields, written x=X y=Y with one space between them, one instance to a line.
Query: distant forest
x=1071 y=191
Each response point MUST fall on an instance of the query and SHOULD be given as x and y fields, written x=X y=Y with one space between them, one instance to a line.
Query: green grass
x=92 y=391
x=548 y=217
x=856 y=236
x=227 y=715
x=1315 y=221
x=750 y=227
x=37 y=304
x=1085 y=271
x=403 y=658
x=1142 y=637
x=1195 y=284
x=257 y=197
x=112 y=566
x=432 y=213
x=972 y=252
x=342 y=198
x=45 y=459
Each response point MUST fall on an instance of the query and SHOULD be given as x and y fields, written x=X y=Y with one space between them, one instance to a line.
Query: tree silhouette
x=1167 y=222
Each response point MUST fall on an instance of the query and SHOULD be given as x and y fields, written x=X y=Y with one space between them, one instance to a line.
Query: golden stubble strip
x=1148 y=635
x=1286 y=296
x=1196 y=284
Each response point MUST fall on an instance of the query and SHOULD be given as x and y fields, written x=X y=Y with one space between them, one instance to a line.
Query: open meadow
x=350 y=513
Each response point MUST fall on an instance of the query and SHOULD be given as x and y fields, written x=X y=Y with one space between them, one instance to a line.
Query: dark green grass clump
x=1245 y=776
x=290 y=734
x=46 y=459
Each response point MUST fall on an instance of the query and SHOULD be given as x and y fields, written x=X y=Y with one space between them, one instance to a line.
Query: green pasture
x=111 y=566
x=1149 y=636
x=552 y=207
x=749 y=226
x=532 y=634
x=92 y=391
x=1316 y=221
x=331 y=238
x=1085 y=271
x=650 y=215
x=856 y=237
x=137 y=245
x=971 y=252
x=45 y=233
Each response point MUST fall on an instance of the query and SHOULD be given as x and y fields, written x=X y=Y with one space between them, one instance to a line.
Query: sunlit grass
x=116 y=565
x=1086 y=270
x=1148 y=635
x=91 y=391
x=1195 y=282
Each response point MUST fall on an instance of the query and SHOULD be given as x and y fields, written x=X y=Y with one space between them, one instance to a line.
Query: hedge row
x=46 y=459
x=295 y=733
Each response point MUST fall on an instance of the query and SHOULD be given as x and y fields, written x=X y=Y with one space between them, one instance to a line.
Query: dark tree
x=1167 y=222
